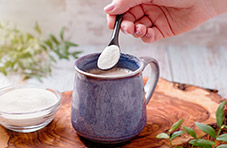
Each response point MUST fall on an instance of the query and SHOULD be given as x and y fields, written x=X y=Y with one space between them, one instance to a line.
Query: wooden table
x=170 y=102
x=200 y=66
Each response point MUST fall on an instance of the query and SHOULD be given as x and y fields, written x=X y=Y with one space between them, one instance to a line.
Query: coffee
x=111 y=72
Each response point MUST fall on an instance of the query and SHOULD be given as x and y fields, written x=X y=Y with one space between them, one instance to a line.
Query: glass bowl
x=29 y=121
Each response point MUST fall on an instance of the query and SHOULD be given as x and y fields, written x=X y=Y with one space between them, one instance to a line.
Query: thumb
x=121 y=6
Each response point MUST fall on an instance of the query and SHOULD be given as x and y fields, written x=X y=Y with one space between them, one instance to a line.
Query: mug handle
x=153 y=77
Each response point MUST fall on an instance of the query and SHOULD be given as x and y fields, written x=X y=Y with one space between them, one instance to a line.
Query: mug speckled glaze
x=111 y=109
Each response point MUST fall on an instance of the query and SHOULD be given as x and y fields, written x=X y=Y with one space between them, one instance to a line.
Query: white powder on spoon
x=109 y=57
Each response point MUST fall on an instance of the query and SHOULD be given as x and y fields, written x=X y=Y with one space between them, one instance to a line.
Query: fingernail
x=137 y=31
x=109 y=7
x=148 y=35
x=124 y=30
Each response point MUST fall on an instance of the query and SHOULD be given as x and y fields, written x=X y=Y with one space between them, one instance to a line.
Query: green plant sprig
x=28 y=55
x=172 y=133
x=197 y=140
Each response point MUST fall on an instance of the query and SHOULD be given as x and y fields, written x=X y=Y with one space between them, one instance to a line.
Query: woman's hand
x=152 y=20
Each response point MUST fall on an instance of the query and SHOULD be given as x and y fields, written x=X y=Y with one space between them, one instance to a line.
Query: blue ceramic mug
x=111 y=109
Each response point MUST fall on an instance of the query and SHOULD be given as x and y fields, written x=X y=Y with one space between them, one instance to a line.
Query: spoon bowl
x=111 y=54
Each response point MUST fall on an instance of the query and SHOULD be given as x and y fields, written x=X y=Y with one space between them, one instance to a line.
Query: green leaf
x=206 y=128
x=27 y=77
x=176 y=134
x=62 y=33
x=44 y=47
x=52 y=58
x=53 y=38
x=190 y=131
x=75 y=54
x=162 y=136
x=27 y=54
x=49 y=43
x=9 y=64
x=220 y=113
x=60 y=55
x=37 y=28
x=222 y=137
x=29 y=36
x=2 y=69
x=222 y=146
x=70 y=43
x=179 y=147
x=202 y=143
x=176 y=125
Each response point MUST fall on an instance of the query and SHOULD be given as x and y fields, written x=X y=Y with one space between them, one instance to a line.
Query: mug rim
x=137 y=71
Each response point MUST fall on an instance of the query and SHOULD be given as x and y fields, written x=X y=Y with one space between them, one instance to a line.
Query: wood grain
x=170 y=102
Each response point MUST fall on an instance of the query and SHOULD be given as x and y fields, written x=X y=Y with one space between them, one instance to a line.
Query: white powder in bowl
x=26 y=100
x=109 y=57
x=25 y=109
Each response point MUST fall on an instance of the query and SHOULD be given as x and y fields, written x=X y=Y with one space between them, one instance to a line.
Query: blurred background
x=86 y=22
x=198 y=57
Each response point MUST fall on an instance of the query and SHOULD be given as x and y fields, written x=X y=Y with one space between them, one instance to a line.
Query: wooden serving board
x=170 y=102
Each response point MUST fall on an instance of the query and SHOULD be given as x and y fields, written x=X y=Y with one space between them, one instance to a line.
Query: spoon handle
x=114 y=39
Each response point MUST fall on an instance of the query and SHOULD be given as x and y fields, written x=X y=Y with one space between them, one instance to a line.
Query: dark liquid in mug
x=113 y=71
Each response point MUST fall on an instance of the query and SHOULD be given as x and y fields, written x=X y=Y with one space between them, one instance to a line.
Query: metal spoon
x=111 y=54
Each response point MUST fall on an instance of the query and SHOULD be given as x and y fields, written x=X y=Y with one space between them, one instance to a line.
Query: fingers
x=129 y=19
x=127 y=27
x=145 y=21
x=136 y=12
x=121 y=6
x=140 y=27
x=111 y=20
x=152 y=35
x=136 y=22
x=148 y=35
x=132 y=15
x=140 y=31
